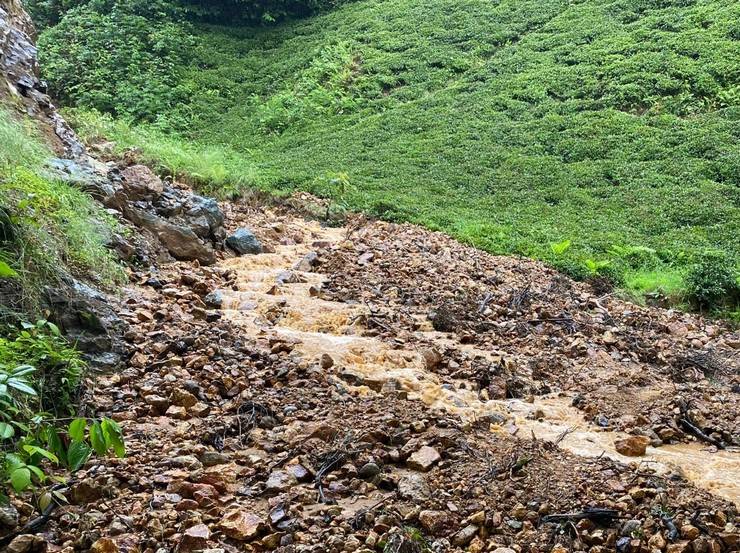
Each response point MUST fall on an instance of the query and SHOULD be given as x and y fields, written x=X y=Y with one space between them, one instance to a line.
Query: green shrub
x=122 y=58
x=713 y=281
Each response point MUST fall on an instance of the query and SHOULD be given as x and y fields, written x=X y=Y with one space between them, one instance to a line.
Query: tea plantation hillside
x=599 y=135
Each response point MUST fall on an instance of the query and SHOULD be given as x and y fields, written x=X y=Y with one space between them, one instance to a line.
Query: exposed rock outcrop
x=19 y=78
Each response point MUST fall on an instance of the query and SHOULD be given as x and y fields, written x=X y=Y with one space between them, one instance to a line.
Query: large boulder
x=140 y=183
x=88 y=320
x=180 y=241
x=243 y=241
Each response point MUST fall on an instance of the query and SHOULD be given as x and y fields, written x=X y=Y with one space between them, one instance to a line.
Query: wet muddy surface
x=371 y=365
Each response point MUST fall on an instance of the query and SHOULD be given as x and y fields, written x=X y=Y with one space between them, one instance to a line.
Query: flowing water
x=318 y=327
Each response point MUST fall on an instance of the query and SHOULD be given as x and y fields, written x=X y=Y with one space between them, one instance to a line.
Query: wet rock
x=327 y=361
x=180 y=241
x=307 y=264
x=465 y=536
x=182 y=398
x=203 y=216
x=632 y=446
x=242 y=525
x=194 y=538
x=280 y=481
x=434 y=522
x=27 y=543
x=85 y=491
x=104 y=545
x=215 y=299
x=414 y=487
x=8 y=516
x=243 y=241
x=140 y=183
x=368 y=471
x=88 y=319
x=423 y=459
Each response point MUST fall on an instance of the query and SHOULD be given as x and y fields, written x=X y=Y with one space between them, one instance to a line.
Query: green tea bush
x=713 y=281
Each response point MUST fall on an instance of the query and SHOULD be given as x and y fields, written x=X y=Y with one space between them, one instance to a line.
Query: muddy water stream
x=318 y=327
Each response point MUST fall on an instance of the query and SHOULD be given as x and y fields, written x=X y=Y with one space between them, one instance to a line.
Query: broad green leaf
x=78 y=454
x=21 y=386
x=77 y=429
x=114 y=437
x=6 y=431
x=33 y=450
x=37 y=471
x=20 y=479
x=6 y=271
x=97 y=439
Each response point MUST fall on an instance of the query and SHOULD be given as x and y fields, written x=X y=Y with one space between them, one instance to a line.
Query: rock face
x=19 y=77
x=87 y=318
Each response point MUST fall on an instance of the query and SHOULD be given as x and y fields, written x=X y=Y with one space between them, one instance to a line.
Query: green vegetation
x=48 y=229
x=512 y=125
x=39 y=375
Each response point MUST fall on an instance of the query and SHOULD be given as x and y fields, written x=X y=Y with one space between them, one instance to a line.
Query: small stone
x=27 y=543
x=423 y=459
x=368 y=471
x=213 y=458
x=327 y=361
x=280 y=481
x=434 y=522
x=182 y=398
x=689 y=532
x=176 y=412
x=241 y=525
x=104 y=545
x=632 y=446
x=414 y=487
x=194 y=538
x=465 y=536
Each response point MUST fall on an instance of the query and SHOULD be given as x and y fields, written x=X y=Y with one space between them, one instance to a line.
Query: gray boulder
x=243 y=241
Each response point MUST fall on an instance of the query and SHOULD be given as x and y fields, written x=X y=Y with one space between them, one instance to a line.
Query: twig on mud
x=600 y=516
x=331 y=460
x=248 y=416
x=563 y=435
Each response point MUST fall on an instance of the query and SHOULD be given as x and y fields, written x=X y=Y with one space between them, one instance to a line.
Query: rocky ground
x=379 y=387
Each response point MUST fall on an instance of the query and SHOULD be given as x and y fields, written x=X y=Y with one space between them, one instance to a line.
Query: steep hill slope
x=511 y=124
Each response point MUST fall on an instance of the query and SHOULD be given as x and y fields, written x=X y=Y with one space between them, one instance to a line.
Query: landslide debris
x=245 y=435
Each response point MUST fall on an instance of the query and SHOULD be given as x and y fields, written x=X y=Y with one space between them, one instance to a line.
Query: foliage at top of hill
x=512 y=125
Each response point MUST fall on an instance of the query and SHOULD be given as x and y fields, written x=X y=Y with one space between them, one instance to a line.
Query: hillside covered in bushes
x=600 y=136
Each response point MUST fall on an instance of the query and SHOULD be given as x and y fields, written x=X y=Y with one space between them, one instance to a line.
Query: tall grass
x=48 y=228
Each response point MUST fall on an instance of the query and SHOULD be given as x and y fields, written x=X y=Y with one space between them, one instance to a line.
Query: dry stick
x=40 y=521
